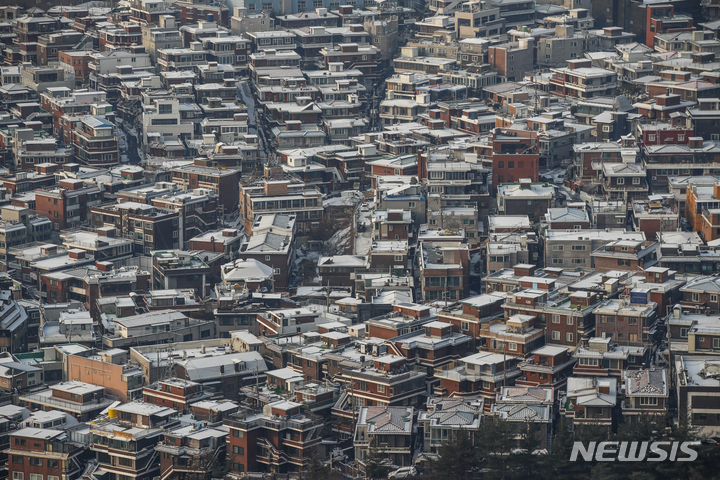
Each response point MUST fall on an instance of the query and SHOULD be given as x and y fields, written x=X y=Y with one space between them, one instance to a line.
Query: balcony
x=642 y=187
x=47 y=400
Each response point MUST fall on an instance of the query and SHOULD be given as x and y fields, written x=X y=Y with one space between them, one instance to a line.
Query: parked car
x=404 y=472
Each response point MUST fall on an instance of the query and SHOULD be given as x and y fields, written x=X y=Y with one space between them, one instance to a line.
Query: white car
x=404 y=472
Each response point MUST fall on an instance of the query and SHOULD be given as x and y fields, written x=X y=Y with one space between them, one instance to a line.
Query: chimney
x=104 y=266
x=76 y=254
x=695 y=142
x=293 y=125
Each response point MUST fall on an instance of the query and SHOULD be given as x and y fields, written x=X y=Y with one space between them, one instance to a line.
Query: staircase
x=82 y=42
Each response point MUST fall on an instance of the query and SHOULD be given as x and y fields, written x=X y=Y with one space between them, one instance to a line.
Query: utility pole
x=504 y=361
x=327 y=297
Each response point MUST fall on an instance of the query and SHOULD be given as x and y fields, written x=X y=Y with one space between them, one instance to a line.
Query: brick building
x=191 y=451
x=281 y=439
x=44 y=453
x=67 y=205
x=515 y=155
x=84 y=401
x=173 y=393
x=626 y=323
x=224 y=182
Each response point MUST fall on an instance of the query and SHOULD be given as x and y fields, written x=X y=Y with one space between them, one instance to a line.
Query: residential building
x=626 y=324
x=445 y=417
x=591 y=400
x=696 y=382
x=120 y=380
x=581 y=80
x=282 y=438
x=644 y=392
x=387 y=429
x=68 y=204
x=144 y=425
x=631 y=255
x=549 y=367
x=478 y=374
x=525 y=197
x=28 y=454
x=84 y=401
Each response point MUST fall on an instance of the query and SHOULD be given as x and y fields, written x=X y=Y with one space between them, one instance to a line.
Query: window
x=623 y=262
x=713 y=298
x=569 y=320
x=558 y=260
x=557 y=248
x=398 y=258
x=578 y=247
x=716 y=342
x=17 y=459
x=35 y=476
x=621 y=181
x=555 y=335
x=648 y=400
x=651 y=138
x=238 y=450
x=591 y=362
x=684 y=332
x=18 y=475
x=569 y=337
x=632 y=321
x=381 y=388
x=512 y=346
x=556 y=318
x=464 y=326
x=36 y=462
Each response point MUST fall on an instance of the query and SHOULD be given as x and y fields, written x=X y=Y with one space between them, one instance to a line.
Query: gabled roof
x=387 y=419
x=703 y=284
x=565 y=214
x=521 y=412
x=646 y=382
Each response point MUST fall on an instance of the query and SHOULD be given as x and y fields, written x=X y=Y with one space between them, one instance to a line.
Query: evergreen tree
x=496 y=440
x=373 y=466
x=318 y=470
x=457 y=457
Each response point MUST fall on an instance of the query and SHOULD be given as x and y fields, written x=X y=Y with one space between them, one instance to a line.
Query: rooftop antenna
x=170 y=366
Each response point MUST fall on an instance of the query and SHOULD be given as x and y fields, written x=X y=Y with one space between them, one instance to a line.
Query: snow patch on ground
x=341 y=201
x=339 y=241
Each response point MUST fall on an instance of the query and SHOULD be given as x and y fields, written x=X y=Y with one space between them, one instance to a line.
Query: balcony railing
x=77 y=407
